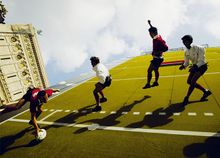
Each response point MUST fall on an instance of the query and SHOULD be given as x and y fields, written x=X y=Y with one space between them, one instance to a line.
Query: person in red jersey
x=159 y=46
x=37 y=97
x=195 y=54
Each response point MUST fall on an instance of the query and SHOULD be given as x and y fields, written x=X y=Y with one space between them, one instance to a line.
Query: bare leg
x=14 y=106
x=157 y=74
x=193 y=77
x=102 y=94
x=97 y=90
x=149 y=74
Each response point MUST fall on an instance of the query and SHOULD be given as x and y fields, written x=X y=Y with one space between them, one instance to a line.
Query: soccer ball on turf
x=41 y=134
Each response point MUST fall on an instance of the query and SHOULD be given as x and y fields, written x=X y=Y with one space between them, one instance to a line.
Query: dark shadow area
x=8 y=115
x=7 y=141
x=72 y=117
x=210 y=148
x=110 y=120
x=155 y=119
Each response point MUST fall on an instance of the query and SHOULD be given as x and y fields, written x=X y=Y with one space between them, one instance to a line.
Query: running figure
x=104 y=81
x=36 y=97
x=195 y=54
x=159 y=46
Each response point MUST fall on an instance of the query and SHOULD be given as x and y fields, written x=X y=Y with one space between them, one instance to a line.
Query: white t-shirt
x=101 y=72
x=196 y=54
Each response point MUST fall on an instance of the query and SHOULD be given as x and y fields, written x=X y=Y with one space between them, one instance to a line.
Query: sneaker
x=205 y=95
x=102 y=100
x=155 y=84
x=31 y=123
x=146 y=86
x=185 y=101
x=97 y=108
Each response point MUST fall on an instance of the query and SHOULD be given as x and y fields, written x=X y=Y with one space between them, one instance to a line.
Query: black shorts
x=27 y=95
x=35 y=106
x=202 y=69
x=108 y=81
x=156 y=62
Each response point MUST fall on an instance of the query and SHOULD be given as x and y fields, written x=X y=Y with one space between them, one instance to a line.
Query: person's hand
x=194 y=68
x=56 y=90
x=182 y=67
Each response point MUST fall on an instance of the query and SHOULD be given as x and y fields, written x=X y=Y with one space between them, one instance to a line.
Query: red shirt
x=35 y=91
x=159 y=46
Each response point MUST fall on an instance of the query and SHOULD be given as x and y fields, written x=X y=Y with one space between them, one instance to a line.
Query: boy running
x=36 y=97
x=159 y=46
x=104 y=81
x=195 y=54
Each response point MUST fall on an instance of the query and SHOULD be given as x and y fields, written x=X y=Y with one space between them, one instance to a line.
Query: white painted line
x=48 y=115
x=162 y=113
x=191 y=113
x=102 y=112
x=1 y=110
x=176 y=114
x=45 y=109
x=52 y=110
x=136 y=113
x=113 y=112
x=148 y=113
x=69 y=84
x=59 y=110
x=84 y=111
x=140 y=130
x=75 y=111
x=124 y=113
x=14 y=116
x=67 y=111
x=208 y=114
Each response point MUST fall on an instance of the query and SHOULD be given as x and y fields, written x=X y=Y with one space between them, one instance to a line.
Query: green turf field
x=133 y=123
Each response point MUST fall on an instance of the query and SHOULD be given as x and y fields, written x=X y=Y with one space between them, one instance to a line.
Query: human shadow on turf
x=155 y=119
x=72 y=117
x=110 y=120
x=210 y=148
x=7 y=141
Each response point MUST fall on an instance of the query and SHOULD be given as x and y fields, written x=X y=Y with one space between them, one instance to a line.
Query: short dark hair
x=187 y=38
x=41 y=93
x=153 y=30
x=95 y=59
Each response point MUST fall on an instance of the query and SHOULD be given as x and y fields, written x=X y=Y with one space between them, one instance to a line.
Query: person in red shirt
x=37 y=97
x=159 y=46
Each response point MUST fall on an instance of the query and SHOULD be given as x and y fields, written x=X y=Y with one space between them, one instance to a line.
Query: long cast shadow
x=156 y=119
x=72 y=117
x=111 y=119
x=210 y=148
x=7 y=141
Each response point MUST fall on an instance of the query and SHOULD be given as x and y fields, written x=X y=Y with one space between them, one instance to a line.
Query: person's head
x=153 y=31
x=187 y=41
x=42 y=96
x=94 y=61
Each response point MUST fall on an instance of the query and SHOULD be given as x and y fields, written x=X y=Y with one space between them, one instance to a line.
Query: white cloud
x=104 y=28
x=74 y=30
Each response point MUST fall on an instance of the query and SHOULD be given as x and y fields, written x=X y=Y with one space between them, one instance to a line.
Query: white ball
x=41 y=134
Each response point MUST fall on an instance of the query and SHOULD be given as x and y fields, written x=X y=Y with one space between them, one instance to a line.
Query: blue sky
x=74 y=30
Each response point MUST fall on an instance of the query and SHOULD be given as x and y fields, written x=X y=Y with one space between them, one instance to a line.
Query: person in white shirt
x=104 y=81
x=195 y=54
